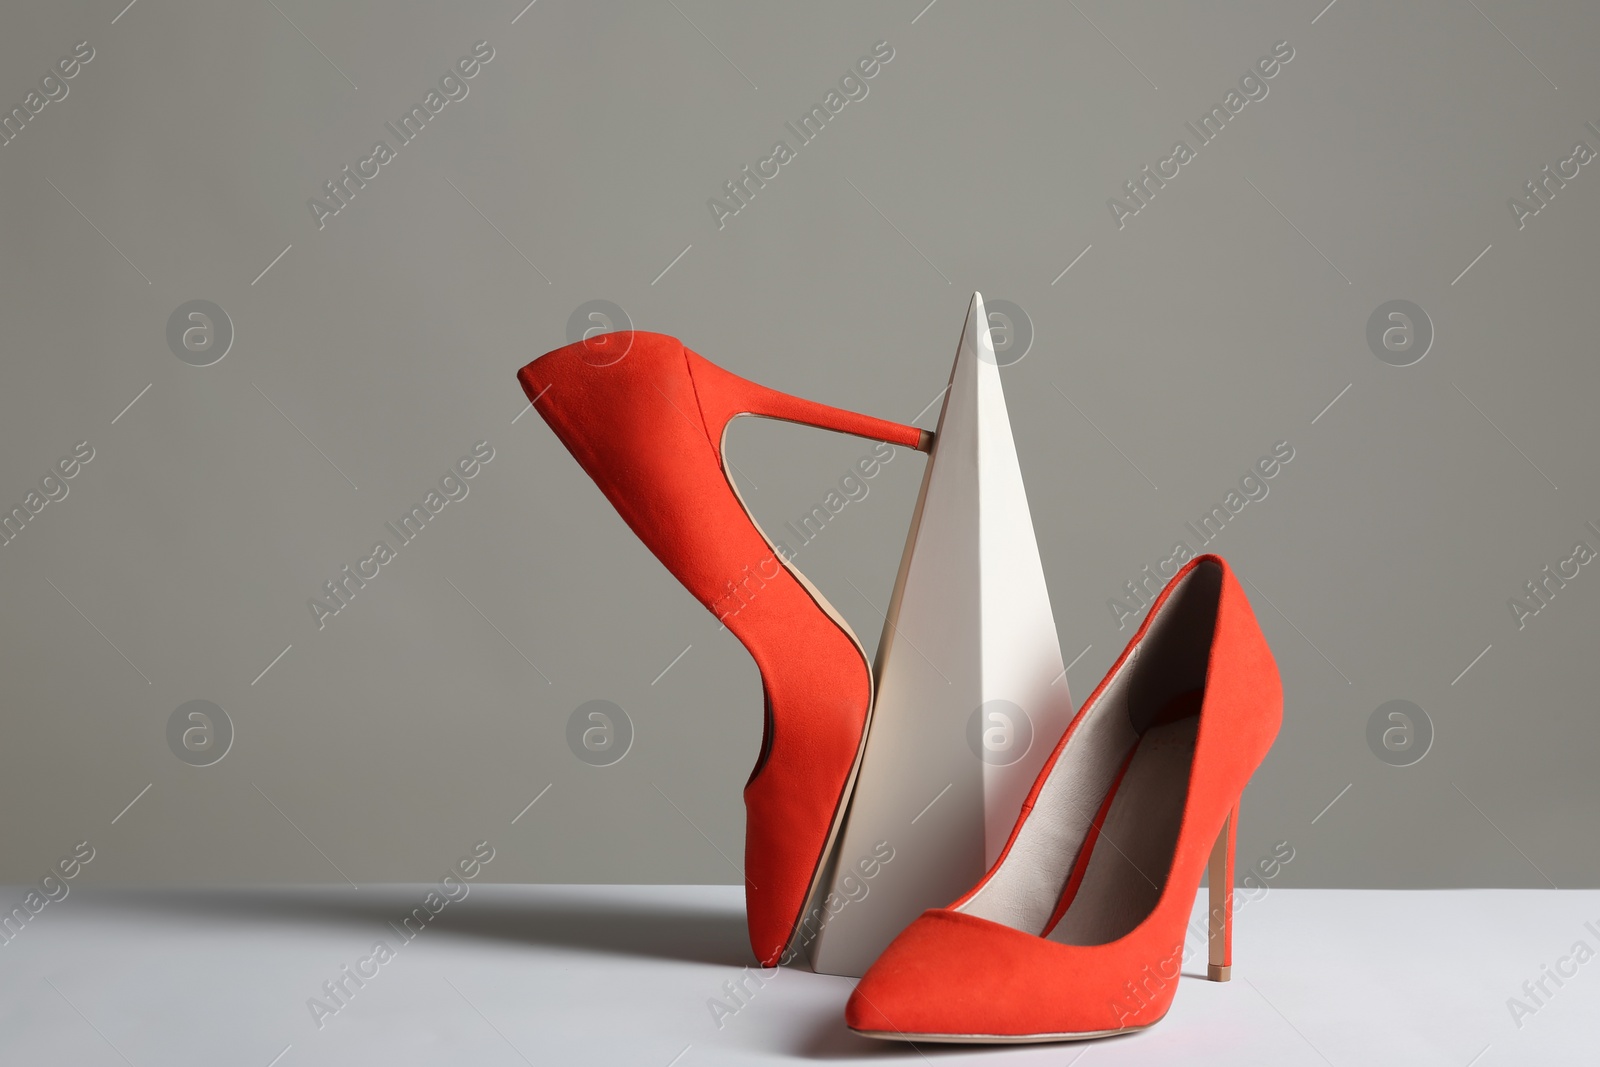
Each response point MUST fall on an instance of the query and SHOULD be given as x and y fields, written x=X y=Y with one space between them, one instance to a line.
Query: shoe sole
x=998 y=1039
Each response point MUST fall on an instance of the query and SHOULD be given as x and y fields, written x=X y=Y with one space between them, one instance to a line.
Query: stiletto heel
x=647 y=419
x=1077 y=931
x=724 y=396
x=1219 y=914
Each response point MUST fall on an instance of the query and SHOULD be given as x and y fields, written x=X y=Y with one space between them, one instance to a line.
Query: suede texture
x=647 y=426
x=951 y=974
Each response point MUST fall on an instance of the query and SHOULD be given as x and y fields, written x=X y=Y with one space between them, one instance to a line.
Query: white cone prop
x=971 y=692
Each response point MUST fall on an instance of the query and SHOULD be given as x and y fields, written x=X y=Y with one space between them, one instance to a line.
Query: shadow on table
x=599 y=919
x=678 y=923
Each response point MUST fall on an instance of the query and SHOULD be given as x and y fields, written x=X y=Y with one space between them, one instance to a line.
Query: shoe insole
x=1132 y=853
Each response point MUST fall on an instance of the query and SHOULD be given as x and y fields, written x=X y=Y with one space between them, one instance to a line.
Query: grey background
x=1223 y=318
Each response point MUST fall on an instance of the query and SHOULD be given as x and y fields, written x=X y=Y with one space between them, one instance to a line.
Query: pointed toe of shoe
x=932 y=982
x=955 y=977
x=863 y=1015
x=769 y=933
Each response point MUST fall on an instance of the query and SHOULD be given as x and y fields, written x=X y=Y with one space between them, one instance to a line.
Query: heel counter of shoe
x=634 y=427
x=1256 y=684
x=611 y=409
x=606 y=366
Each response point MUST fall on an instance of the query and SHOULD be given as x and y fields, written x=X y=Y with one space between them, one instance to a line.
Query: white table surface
x=625 y=975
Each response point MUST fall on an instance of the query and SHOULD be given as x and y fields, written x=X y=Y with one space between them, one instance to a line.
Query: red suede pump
x=646 y=418
x=1078 y=929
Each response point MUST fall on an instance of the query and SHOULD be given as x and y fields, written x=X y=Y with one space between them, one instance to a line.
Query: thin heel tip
x=1218 y=973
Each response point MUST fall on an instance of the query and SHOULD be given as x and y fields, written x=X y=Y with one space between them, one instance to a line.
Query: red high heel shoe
x=646 y=418
x=1065 y=937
